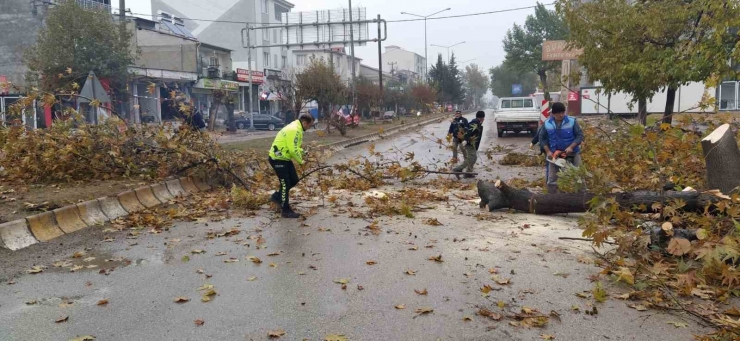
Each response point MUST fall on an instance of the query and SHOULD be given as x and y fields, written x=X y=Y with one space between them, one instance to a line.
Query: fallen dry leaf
x=421 y=292
x=501 y=281
x=437 y=259
x=252 y=279
x=424 y=311
x=467 y=318
x=195 y=252
x=490 y=314
x=35 y=270
x=276 y=333
x=679 y=246
x=547 y=337
x=221 y=254
x=205 y=287
x=32 y=302
x=371 y=262
x=678 y=324
x=410 y=272
x=103 y=302
x=76 y=268
x=638 y=307
x=335 y=337
x=84 y=338
x=413 y=248
x=199 y=322
x=64 y=318
x=486 y=289
x=231 y=260
x=181 y=299
x=255 y=260
x=79 y=254
x=343 y=281
x=401 y=306
x=432 y=222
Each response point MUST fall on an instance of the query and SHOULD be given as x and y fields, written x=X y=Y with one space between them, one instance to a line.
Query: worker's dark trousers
x=285 y=171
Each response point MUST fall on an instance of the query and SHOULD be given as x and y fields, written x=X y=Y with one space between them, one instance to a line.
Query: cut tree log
x=722 y=157
x=498 y=195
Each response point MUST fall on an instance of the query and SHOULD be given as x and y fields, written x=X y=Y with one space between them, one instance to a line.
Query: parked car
x=389 y=115
x=261 y=121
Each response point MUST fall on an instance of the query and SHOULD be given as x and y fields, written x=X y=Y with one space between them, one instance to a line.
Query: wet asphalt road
x=294 y=287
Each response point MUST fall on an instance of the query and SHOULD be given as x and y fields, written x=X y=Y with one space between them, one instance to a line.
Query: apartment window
x=300 y=60
x=264 y=7
x=275 y=36
x=279 y=12
x=285 y=61
x=266 y=35
x=266 y=58
x=274 y=59
x=728 y=96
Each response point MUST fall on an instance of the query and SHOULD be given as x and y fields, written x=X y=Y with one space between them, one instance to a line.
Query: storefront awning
x=215 y=84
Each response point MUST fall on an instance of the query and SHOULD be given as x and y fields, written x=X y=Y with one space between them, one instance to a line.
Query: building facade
x=396 y=59
x=337 y=57
x=222 y=27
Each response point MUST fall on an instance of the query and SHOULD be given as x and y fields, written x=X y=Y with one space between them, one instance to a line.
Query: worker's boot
x=288 y=213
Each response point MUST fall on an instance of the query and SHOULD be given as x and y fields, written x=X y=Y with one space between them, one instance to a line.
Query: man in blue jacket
x=459 y=123
x=561 y=136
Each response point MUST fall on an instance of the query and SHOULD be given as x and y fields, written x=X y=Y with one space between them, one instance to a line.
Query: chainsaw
x=561 y=159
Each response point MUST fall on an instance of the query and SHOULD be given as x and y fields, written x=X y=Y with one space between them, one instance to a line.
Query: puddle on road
x=82 y=261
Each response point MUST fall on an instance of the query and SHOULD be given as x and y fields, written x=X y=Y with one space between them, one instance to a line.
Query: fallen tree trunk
x=721 y=152
x=498 y=195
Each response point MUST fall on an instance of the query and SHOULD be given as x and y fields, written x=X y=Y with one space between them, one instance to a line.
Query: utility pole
x=393 y=67
x=380 y=65
x=249 y=70
x=124 y=93
x=352 y=51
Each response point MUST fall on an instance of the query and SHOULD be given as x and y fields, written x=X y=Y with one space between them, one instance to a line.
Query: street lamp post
x=467 y=61
x=426 y=58
x=448 y=48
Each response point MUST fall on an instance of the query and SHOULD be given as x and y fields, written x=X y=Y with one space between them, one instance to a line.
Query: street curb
x=335 y=146
x=43 y=227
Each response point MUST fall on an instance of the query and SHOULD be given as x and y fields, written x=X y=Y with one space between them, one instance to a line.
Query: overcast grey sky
x=483 y=34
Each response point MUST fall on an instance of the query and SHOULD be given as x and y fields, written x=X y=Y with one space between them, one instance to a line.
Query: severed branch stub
x=723 y=159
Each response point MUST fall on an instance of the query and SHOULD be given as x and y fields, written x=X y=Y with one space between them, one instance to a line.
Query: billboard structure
x=327 y=27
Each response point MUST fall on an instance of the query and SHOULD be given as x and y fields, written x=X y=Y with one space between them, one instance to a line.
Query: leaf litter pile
x=661 y=266
x=698 y=276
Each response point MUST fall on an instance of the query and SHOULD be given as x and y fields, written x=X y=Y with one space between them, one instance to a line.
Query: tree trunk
x=499 y=195
x=231 y=125
x=212 y=117
x=642 y=110
x=669 y=103
x=722 y=157
x=543 y=79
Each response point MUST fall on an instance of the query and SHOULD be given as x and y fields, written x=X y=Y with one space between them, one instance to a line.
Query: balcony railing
x=89 y=4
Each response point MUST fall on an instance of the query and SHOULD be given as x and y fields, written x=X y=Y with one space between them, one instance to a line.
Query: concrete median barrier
x=68 y=219
x=146 y=197
x=202 y=185
x=188 y=185
x=160 y=191
x=44 y=226
x=175 y=188
x=91 y=213
x=15 y=235
x=112 y=208
x=130 y=202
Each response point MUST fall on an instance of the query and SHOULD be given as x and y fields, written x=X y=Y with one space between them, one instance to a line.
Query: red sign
x=572 y=96
x=258 y=77
x=4 y=86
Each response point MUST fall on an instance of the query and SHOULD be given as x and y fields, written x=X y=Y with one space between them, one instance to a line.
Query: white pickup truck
x=517 y=114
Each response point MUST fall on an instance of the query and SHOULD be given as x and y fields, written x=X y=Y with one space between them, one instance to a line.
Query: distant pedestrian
x=561 y=136
x=472 y=138
x=458 y=125
x=193 y=118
